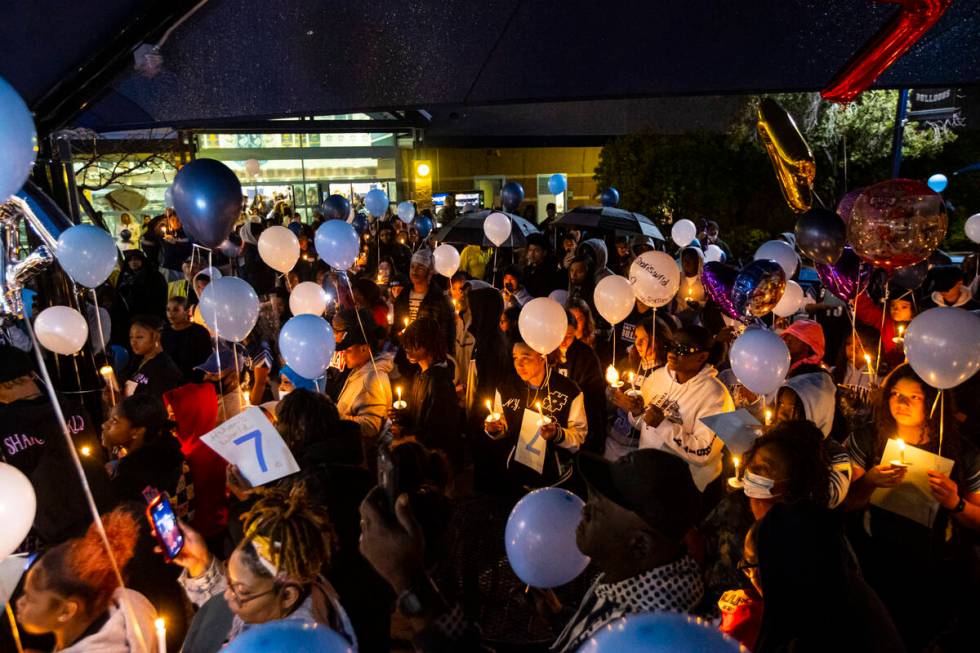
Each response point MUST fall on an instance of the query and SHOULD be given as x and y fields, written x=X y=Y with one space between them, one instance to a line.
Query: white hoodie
x=681 y=432
x=130 y=627
x=366 y=396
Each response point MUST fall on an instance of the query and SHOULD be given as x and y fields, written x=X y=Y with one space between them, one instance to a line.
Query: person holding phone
x=274 y=573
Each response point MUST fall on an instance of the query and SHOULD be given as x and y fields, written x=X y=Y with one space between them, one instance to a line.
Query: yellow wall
x=454 y=169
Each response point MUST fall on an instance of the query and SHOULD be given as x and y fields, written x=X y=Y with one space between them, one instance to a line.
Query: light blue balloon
x=337 y=244
x=540 y=538
x=87 y=253
x=376 y=202
x=659 y=632
x=406 y=212
x=168 y=197
x=18 y=141
x=938 y=182
x=230 y=308
x=307 y=344
x=557 y=184
x=288 y=636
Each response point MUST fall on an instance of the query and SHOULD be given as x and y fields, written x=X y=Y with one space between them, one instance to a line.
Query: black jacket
x=434 y=413
x=157 y=464
x=435 y=305
x=582 y=366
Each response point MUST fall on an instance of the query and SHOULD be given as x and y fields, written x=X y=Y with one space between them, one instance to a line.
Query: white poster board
x=912 y=498
x=738 y=429
x=251 y=443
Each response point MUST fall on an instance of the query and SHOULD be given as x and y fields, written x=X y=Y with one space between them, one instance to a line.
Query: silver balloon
x=14 y=270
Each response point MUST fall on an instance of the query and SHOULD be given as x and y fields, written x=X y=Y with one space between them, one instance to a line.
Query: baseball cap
x=653 y=484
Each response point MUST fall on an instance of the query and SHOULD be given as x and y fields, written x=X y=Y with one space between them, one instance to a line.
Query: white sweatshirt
x=681 y=432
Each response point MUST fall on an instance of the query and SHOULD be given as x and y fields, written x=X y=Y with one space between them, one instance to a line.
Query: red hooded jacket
x=195 y=409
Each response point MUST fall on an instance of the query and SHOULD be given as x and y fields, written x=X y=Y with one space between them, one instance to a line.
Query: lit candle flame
x=398 y=391
x=901 y=450
x=489 y=406
x=768 y=416
x=612 y=376
x=106 y=371
x=406 y=322
x=901 y=329
x=736 y=461
x=86 y=451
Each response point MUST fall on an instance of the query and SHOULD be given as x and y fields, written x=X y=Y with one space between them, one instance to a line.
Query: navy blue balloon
x=288 y=636
x=336 y=207
x=511 y=196
x=609 y=197
x=360 y=222
x=758 y=288
x=557 y=184
x=208 y=199
x=423 y=224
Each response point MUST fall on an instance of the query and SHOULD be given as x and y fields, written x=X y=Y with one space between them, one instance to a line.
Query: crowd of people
x=434 y=390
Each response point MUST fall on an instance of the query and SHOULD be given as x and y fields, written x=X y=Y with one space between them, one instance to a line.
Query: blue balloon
x=540 y=538
x=87 y=253
x=376 y=202
x=406 y=212
x=360 y=222
x=610 y=197
x=938 y=182
x=306 y=343
x=288 y=636
x=423 y=224
x=511 y=196
x=18 y=141
x=335 y=207
x=557 y=184
x=208 y=199
x=338 y=244
x=659 y=632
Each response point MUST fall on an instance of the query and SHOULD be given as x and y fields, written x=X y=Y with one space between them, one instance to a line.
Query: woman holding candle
x=72 y=592
x=432 y=412
x=889 y=542
x=900 y=311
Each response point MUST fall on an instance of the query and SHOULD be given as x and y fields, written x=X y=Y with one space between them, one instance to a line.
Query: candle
x=768 y=417
x=900 y=337
x=406 y=322
x=612 y=377
x=543 y=419
x=106 y=371
x=399 y=404
x=161 y=635
x=867 y=360
x=901 y=454
x=735 y=461
x=492 y=416
x=632 y=379
x=86 y=450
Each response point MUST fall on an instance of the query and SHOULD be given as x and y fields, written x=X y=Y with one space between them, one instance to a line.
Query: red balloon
x=907 y=25
x=897 y=223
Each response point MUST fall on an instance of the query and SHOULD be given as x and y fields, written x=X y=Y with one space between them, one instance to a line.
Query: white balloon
x=211 y=273
x=683 y=232
x=614 y=298
x=781 y=252
x=497 y=228
x=279 y=248
x=714 y=253
x=18 y=505
x=446 y=259
x=655 y=277
x=760 y=360
x=791 y=301
x=943 y=346
x=543 y=324
x=972 y=227
x=308 y=298
x=230 y=308
x=560 y=296
x=61 y=329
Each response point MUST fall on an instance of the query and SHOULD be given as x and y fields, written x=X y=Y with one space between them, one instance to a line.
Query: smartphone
x=164 y=522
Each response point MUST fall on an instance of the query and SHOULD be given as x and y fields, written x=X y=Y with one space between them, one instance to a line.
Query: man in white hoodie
x=366 y=392
x=677 y=396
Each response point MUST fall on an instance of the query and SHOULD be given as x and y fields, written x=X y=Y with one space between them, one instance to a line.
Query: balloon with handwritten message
x=655 y=278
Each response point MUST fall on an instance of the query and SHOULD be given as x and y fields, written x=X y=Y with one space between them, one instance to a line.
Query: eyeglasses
x=683 y=349
x=242 y=599
x=746 y=567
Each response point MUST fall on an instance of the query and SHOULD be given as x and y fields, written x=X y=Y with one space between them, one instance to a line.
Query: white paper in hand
x=251 y=443
x=737 y=429
x=912 y=498
x=531 y=447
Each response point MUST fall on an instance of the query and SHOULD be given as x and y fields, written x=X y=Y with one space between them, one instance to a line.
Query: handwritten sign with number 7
x=251 y=443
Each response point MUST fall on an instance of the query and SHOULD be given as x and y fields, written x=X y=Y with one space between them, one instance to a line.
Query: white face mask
x=758 y=487
x=283 y=393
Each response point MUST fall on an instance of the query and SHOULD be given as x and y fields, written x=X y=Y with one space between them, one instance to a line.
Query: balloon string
x=217 y=353
x=942 y=419
x=97 y=519
x=14 y=632
x=357 y=314
x=98 y=321
x=884 y=313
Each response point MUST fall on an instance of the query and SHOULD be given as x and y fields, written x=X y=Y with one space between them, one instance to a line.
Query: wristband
x=960 y=507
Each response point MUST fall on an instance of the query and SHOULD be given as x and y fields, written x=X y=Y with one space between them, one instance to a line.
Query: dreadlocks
x=285 y=529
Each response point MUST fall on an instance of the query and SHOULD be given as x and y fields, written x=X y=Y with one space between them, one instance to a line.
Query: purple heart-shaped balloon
x=846 y=277
x=718 y=280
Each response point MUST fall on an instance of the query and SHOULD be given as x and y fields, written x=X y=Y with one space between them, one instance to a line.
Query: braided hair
x=299 y=534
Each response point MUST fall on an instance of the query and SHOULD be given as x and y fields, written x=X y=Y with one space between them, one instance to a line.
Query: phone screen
x=165 y=526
